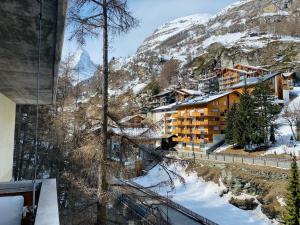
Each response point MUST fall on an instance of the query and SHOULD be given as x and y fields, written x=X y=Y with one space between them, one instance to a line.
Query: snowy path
x=203 y=198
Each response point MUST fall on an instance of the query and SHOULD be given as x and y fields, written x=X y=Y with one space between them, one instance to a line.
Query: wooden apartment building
x=230 y=76
x=199 y=124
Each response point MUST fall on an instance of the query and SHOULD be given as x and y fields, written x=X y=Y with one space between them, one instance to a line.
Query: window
x=216 y=128
x=215 y=110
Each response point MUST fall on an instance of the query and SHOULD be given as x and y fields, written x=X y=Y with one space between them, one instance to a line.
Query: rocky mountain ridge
x=254 y=32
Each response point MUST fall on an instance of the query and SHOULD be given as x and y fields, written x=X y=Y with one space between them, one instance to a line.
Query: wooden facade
x=201 y=124
x=230 y=76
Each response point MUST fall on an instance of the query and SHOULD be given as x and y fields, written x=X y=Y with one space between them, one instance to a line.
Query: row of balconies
x=190 y=140
x=194 y=123
x=195 y=114
x=190 y=131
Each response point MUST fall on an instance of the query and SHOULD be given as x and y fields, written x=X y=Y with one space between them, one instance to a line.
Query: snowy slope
x=173 y=28
x=284 y=133
x=203 y=197
x=246 y=26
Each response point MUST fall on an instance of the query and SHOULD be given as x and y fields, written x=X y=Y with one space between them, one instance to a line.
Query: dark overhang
x=19 y=27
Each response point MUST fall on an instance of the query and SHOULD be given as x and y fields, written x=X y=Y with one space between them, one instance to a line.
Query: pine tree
x=292 y=215
x=245 y=129
x=230 y=124
x=266 y=110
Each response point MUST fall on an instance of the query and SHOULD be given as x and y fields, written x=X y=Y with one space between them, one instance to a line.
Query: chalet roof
x=137 y=133
x=254 y=80
x=252 y=67
x=191 y=92
x=237 y=70
x=288 y=74
x=203 y=99
x=163 y=93
x=164 y=107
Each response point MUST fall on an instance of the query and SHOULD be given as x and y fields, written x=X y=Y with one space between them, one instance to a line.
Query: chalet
x=280 y=83
x=19 y=77
x=206 y=82
x=182 y=94
x=230 y=76
x=173 y=95
x=163 y=98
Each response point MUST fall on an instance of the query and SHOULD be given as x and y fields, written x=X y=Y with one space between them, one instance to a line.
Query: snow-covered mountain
x=245 y=31
x=253 y=32
x=173 y=28
x=83 y=65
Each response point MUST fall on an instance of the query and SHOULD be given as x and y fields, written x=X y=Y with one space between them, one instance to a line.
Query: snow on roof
x=252 y=67
x=162 y=93
x=254 y=80
x=204 y=99
x=240 y=71
x=165 y=107
x=287 y=74
x=191 y=92
x=137 y=133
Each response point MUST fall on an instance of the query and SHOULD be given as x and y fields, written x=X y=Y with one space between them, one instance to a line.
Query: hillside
x=254 y=32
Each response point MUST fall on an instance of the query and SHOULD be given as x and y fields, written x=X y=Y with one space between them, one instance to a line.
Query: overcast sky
x=151 y=14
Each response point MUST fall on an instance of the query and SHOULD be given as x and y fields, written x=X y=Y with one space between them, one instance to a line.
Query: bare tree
x=291 y=114
x=90 y=18
x=168 y=73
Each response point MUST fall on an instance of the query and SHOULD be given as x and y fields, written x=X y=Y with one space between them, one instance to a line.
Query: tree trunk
x=102 y=182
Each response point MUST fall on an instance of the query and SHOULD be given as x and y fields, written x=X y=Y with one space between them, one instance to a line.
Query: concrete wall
x=7 y=128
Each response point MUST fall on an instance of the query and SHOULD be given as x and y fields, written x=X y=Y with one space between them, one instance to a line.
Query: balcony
x=176 y=131
x=177 y=123
x=186 y=123
x=200 y=123
x=186 y=140
x=212 y=113
x=186 y=131
x=213 y=123
x=186 y=115
x=16 y=195
x=176 y=115
x=177 y=139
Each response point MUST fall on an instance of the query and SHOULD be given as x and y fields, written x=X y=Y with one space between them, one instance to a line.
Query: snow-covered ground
x=223 y=148
x=202 y=197
x=284 y=132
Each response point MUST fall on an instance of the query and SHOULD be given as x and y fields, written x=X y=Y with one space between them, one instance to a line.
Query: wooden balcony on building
x=212 y=113
x=186 y=115
x=186 y=123
x=186 y=140
x=177 y=139
x=213 y=123
x=176 y=115
x=200 y=123
x=176 y=131
x=199 y=131
x=176 y=123
x=186 y=131
x=196 y=114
